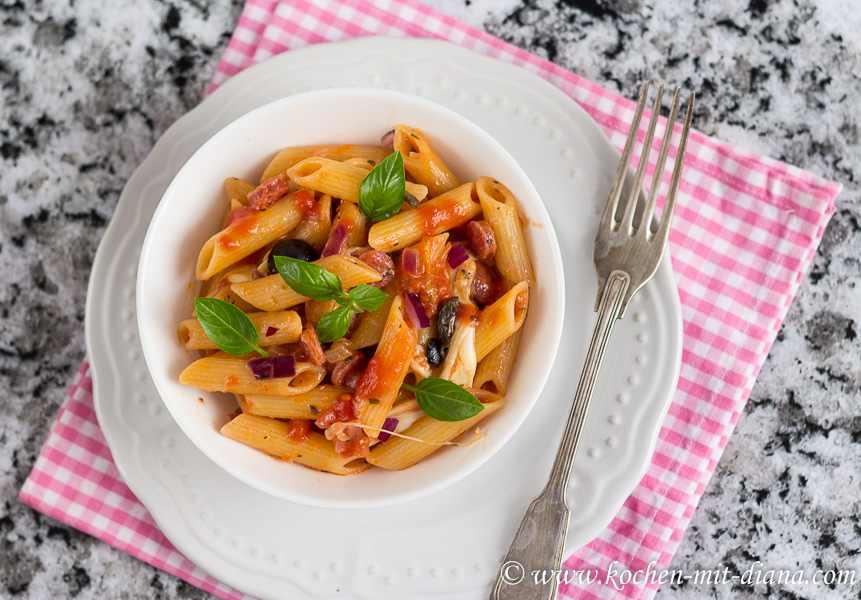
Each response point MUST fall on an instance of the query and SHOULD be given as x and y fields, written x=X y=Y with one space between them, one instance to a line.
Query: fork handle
x=530 y=568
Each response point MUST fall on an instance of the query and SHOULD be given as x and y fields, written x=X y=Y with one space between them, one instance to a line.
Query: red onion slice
x=271 y=331
x=416 y=311
x=456 y=256
x=389 y=427
x=388 y=140
x=337 y=242
x=273 y=367
x=410 y=260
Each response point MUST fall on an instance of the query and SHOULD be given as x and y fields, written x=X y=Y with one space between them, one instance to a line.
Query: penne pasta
x=494 y=370
x=371 y=324
x=247 y=234
x=422 y=162
x=273 y=328
x=378 y=386
x=418 y=191
x=271 y=436
x=329 y=177
x=271 y=293
x=400 y=453
x=502 y=318
x=219 y=286
x=288 y=157
x=436 y=216
x=237 y=190
x=220 y=374
x=307 y=405
x=500 y=211
x=316 y=228
x=340 y=179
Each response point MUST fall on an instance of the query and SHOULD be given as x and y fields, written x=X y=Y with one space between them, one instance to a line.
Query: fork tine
x=646 y=220
x=618 y=182
x=631 y=205
x=670 y=204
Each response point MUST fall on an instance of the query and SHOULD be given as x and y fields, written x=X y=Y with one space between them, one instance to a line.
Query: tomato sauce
x=299 y=429
x=435 y=219
x=306 y=204
x=340 y=412
x=358 y=448
x=239 y=213
x=430 y=283
x=241 y=227
x=467 y=313
x=386 y=366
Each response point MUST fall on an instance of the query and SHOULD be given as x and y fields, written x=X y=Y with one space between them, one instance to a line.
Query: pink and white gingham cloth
x=745 y=231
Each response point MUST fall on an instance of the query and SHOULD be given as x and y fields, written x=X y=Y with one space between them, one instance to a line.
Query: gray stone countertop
x=87 y=87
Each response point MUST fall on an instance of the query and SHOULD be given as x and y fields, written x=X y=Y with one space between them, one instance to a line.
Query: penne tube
x=286 y=324
x=500 y=211
x=288 y=157
x=371 y=324
x=219 y=286
x=316 y=310
x=378 y=387
x=418 y=191
x=299 y=406
x=340 y=179
x=237 y=190
x=354 y=222
x=230 y=374
x=315 y=229
x=431 y=218
x=271 y=436
x=399 y=453
x=502 y=318
x=422 y=162
x=329 y=177
x=494 y=371
x=248 y=234
x=272 y=293
x=362 y=163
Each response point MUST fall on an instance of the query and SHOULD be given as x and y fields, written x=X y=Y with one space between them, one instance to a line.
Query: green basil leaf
x=227 y=326
x=367 y=297
x=334 y=324
x=309 y=279
x=443 y=400
x=382 y=191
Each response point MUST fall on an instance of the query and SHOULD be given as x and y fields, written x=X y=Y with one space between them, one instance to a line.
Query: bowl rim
x=555 y=275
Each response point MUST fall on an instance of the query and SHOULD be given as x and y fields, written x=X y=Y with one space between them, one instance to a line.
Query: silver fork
x=625 y=258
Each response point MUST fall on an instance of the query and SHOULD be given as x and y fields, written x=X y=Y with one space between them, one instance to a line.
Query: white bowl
x=190 y=212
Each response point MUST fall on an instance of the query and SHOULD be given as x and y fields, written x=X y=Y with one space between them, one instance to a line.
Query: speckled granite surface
x=87 y=89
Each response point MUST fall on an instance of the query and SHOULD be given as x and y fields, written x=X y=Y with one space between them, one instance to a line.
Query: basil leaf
x=309 y=279
x=382 y=191
x=227 y=326
x=367 y=297
x=334 y=324
x=443 y=400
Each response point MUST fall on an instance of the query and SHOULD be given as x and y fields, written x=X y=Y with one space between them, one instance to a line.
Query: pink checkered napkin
x=745 y=231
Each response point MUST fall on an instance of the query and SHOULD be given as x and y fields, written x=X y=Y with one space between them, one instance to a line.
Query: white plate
x=448 y=544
